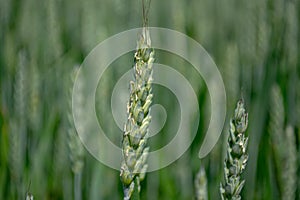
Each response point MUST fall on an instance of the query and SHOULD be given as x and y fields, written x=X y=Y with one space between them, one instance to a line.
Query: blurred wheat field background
x=255 y=45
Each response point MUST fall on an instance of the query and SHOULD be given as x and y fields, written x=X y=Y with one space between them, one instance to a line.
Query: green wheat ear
x=134 y=141
x=236 y=157
x=201 y=185
x=135 y=150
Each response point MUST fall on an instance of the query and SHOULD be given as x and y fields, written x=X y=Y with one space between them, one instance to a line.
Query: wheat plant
x=134 y=141
x=284 y=146
x=135 y=150
x=75 y=147
x=236 y=157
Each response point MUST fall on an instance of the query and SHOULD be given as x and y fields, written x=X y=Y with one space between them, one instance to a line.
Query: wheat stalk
x=75 y=147
x=284 y=145
x=34 y=97
x=289 y=172
x=291 y=35
x=276 y=118
x=236 y=157
x=276 y=129
x=201 y=184
x=54 y=30
x=231 y=73
x=17 y=136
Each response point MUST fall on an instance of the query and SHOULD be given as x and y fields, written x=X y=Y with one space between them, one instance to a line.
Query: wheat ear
x=135 y=133
x=236 y=157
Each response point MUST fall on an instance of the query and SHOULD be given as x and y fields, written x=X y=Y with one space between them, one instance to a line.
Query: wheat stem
x=75 y=147
x=17 y=137
x=77 y=185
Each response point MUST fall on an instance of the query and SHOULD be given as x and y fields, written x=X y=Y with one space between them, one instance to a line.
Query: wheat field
x=255 y=45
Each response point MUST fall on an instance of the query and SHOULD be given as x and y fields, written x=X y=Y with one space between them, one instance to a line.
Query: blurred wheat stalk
x=18 y=131
x=284 y=146
x=290 y=166
x=75 y=147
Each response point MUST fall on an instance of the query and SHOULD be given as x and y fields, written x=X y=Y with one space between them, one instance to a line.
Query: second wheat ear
x=236 y=157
